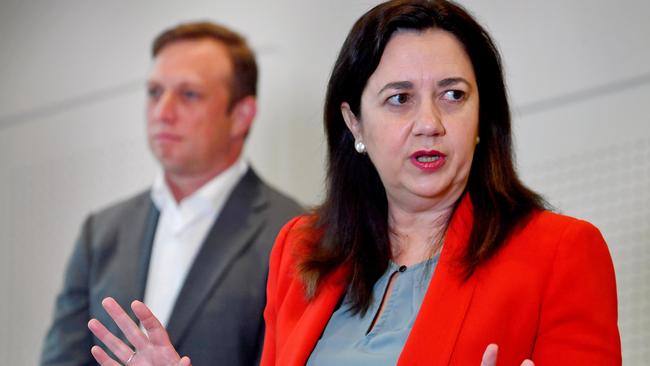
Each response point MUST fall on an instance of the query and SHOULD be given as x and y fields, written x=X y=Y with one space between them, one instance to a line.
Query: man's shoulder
x=124 y=208
x=277 y=202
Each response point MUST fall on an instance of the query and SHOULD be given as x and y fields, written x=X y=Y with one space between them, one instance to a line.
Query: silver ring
x=130 y=358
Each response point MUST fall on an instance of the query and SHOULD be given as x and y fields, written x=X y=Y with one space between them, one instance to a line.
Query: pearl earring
x=478 y=139
x=359 y=146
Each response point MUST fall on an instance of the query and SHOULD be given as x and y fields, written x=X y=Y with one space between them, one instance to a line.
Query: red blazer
x=549 y=294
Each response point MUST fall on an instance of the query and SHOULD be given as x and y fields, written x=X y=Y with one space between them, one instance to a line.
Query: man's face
x=188 y=121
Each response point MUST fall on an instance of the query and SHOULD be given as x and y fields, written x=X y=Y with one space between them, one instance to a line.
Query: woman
x=427 y=248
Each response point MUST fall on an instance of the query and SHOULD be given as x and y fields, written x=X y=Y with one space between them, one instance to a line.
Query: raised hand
x=151 y=349
x=490 y=357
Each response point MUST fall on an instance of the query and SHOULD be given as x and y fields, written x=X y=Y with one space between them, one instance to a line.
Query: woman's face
x=419 y=119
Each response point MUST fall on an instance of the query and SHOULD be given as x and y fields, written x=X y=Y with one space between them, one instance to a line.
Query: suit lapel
x=445 y=305
x=238 y=222
x=145 y=251
x=135 y=238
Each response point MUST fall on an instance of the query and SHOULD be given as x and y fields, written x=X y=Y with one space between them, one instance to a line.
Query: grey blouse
x=346 y=341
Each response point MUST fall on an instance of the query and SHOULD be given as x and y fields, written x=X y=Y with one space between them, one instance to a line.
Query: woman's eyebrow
x=399 y=85
x=451 y=81
x=405 y=85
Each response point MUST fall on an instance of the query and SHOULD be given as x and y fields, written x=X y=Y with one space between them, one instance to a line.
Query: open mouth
x=428 y=158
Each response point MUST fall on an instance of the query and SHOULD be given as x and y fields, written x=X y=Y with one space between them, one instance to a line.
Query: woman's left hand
x=151 y=349
x=490 y=357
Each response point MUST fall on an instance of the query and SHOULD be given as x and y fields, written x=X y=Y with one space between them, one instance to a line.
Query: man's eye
x=454 y=95
x=398 y=99
x=153 y=92
x=190 y=94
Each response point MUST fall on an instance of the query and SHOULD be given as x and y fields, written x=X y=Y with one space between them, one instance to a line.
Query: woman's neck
x=416 y=235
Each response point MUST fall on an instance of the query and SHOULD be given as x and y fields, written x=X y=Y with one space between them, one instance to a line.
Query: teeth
x=427 y=159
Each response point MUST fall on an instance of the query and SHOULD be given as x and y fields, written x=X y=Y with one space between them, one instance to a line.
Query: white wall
x=71 y=124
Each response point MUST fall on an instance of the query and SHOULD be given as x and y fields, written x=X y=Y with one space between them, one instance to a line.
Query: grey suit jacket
x=217 y=319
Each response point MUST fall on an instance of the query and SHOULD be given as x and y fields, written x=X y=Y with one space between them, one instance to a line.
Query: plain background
x=72 y=124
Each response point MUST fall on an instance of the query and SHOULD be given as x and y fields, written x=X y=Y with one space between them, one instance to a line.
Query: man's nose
x=165 y=108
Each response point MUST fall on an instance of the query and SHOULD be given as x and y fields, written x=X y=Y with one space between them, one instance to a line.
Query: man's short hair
x=244 y=81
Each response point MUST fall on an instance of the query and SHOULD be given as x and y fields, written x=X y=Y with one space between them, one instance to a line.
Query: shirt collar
x=211 y=196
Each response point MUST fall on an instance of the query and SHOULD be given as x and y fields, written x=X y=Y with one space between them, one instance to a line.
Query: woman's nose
x=429 y=121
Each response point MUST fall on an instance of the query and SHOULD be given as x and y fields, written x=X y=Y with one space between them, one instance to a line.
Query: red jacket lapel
x=313 y=321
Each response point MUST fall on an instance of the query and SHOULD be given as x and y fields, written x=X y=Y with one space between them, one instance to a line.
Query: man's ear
x=242 y=116
x=351 y=121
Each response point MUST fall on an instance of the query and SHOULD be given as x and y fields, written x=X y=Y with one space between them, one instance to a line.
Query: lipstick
x=428 y=160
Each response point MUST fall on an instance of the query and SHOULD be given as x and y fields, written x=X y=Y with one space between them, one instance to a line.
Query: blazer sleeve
x=275 y=291
x=68 y=340
x=578 y=319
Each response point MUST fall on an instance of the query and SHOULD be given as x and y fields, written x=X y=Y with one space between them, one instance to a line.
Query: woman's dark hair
x=353 y=219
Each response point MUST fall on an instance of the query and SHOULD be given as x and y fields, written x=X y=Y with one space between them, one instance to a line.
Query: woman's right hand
x=151 y=349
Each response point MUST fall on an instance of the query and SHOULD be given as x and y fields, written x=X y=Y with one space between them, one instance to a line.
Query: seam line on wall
x=72 y=103
x=128 y=87
x=614 y=87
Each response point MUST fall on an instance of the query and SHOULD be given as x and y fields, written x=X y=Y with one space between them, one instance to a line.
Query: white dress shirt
x=182 y=228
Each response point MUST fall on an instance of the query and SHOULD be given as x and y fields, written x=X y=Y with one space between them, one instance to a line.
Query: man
x=195 y=247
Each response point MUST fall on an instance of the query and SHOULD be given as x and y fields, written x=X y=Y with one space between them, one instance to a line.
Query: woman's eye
x=454 y=95
x=398 y=99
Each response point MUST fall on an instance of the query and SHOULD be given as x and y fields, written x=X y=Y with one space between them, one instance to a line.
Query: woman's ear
x=242 y=115
x=351 y=121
